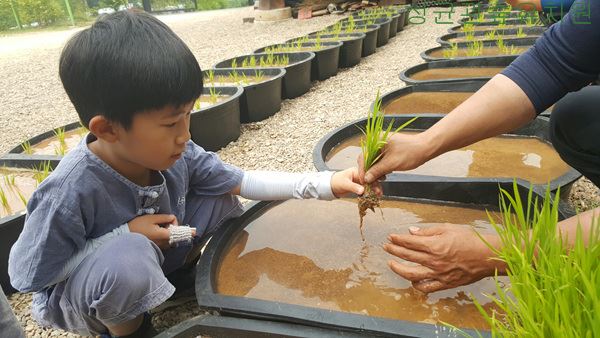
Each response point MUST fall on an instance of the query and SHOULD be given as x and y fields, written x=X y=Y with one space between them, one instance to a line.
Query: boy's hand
x=346 y=182
x=149 y=226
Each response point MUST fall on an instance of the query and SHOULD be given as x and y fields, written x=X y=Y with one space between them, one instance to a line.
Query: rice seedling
x=259 y=76
x=234 y=77
x=512 y=50
x=27 y=149
x=469 y=29
x=491 y=35
x=42 y=172
x=211 y=76
x=214 y=95
x=9 y=182
x=502 y=25
x=500 y=43
x=82 y=130
x=532 y=21
x=469 y=36
x=4 y=201
x=318 y=44
x=475 y=48
x=22 y=198
x=246 y=60
x=374 y=138
x=234 y=63
x=62 y=144
x=480 y=18
x=553 y=290
x=245 y=80
x=197 y=104
x=451 y=52
x=520 y=33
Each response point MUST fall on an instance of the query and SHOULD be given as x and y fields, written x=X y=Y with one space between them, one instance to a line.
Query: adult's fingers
x=411 y=242
x=413 y=273
x=430 y=231
x=408 y=254
x=382 y=167
x=430 y=286
x=361 y=168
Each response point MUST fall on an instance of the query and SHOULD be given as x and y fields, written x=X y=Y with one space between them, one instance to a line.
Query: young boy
x=96 y=245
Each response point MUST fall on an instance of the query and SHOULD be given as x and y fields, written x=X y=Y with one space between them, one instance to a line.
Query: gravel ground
x=34 y=101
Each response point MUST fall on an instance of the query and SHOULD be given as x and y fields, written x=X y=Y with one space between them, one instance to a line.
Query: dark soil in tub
x=528 y=158
x=456 y=73
x=311 y=253
x=426 y=102
x=487 y=51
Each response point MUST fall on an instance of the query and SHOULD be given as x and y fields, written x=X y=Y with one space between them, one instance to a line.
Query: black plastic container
x=43 y=136
x=258 y=101
x=492 y=21
x=402 y=20
x=369 y=44
x=213 y=127
x=539 y=127
x=462 y=86
x=521 y=43
x=235 y=327
x=479 y=193
x=351 y=49
x=456 y=29
x=326 y=62
x=533 y=32
x=297 y=77
x=10 y=229
x=515 y=14
x=383 y=31
x=394 y=18
x=482 y=62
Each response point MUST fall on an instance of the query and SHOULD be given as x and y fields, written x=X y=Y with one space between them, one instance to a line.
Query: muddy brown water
x=483 y=38
x=456 y=73
x=494 y=27
x=528 y=158
x=52 y=146
x=205 y=101
x=487 y=51
x=224 y=80
x=24 y=184
x=426 y=102
x=311 y=253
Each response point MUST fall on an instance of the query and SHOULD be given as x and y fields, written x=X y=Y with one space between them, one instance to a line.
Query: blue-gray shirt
x=85 y=198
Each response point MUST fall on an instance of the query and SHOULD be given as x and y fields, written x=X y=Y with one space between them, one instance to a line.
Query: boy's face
x=157 y=138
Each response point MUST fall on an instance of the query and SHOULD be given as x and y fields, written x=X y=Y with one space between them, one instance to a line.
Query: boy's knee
x=132 y=258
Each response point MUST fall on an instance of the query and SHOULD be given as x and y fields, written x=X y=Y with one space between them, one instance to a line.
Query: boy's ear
x=104 y=129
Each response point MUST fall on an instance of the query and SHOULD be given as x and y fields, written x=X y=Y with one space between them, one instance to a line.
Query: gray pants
x=9 y=326
x=125 y=277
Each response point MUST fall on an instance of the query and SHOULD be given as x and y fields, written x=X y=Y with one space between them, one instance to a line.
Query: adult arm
x=564 y=59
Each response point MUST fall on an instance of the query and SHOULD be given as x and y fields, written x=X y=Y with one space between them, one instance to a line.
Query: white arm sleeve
x=90 y=246
x=272 y=185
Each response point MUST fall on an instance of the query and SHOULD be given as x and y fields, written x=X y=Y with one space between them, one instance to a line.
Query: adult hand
x=402 y=152
x=149 y=226
x=448 y=256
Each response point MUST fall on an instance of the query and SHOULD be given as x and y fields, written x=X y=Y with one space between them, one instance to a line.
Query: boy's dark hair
x=126 y=63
